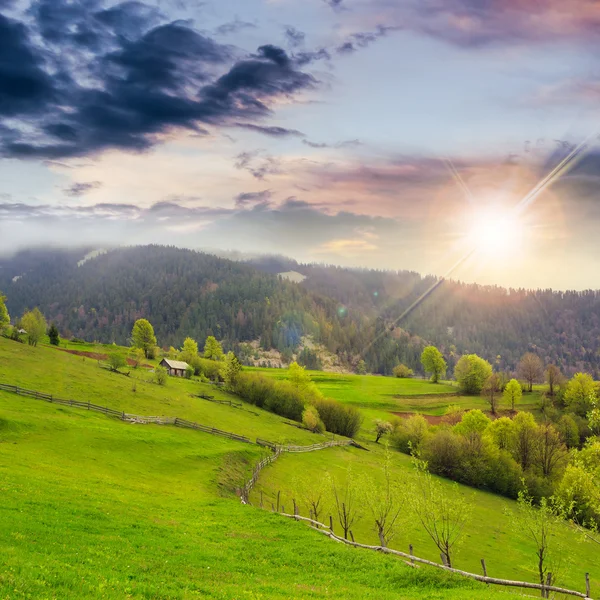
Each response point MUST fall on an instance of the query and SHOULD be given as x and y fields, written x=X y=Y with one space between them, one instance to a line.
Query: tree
x=299 y=378
x=142 y=336
x=512 y=393
x=116 y=360
x=550 y=452
x=382 y=428
x=402 y=371
x=230 y=371
x=4 y=316
x=311 y=420
x=346 y=500
x=54 y=335
x=541 y=526
x=189 y=350
x=531 y=369
x=526 y=438
x=443 y=516
x=580 y=393
x=502 y=433
x=361 y=367
x=471 y=372
x=35 y=324
x=491 y=391
x=433 y=362
x=554 y=378
x=385 y=505
x=137 y=356
x=212 y=348
x=569 y=431
x=312 y=492
x=160 y=375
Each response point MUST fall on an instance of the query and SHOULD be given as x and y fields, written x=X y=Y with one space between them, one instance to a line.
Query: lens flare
x=496 y=233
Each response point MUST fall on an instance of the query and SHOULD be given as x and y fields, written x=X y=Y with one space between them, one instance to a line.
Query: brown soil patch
x=431 y=419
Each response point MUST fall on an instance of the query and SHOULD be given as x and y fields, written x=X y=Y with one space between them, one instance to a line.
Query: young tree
x=311 y=420
x=526 y=438
x=580 y=393
x=385 y=504
x=541 y=526
x=471 y=372
x=116 y=361
x=382 y=428
x=212 y=348
x=142 y=336
x=361 y=367
x=299 y=378
x=230 y=371
x=346 y=501
x=550 y=452
x=443 y=516
x=4 y=316
x=402 y=371
x=54 y=335
x=502 y=433
x=569 y=431
x=313 y=493
x=491 y=391
x=554 y=378
x=137 y=356
x=160 y=375
x=531 y=369
x=512 y=393
x=189 y=350
x=433 y=362
x=35 y=324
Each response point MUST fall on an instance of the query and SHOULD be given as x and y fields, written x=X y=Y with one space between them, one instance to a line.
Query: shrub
x=338 y=418
x=189 y=372
x=312 y=421
x=410 y=433
x=284 y=400
x=160 y=375
x=443 y=453
x=209 y=368
x=116 y=361
x=402 y=371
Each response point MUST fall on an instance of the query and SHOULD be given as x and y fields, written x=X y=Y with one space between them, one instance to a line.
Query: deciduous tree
x=554 y=378
x=189 y=350
x=142 y=336
x=35 y=324
x=346 y=501
x=471 y=372
x=491 y=391
x=116 y=360
x=212 y=348
x=525 y=439
x=382 y=428
x=580 y=393
x=531 y=369
x=512 y=393
x=402 y=371
x=433 y=362
x=4 y=316
x=230 y=371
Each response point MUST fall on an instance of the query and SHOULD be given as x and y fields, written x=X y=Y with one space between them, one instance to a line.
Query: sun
x=496 y=233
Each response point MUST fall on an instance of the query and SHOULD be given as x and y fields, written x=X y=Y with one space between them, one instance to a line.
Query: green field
x=93 y=507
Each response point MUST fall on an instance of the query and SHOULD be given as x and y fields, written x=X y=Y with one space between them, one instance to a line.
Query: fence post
x=50 y=397
x=410 y=551
x=331 y=523
x=282 y=508
x=587 y=585
x=295 y=509
x=351 y=535
x=483 y=567
x=123 y=416
x=278 y=496
x=261 y=499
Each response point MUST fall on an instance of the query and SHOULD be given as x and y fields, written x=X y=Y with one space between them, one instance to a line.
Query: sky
x=390 y=134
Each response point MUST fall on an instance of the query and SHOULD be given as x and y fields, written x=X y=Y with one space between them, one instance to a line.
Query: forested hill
x=351 y=312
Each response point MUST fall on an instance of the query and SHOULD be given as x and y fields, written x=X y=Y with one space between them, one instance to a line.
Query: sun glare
x=496 y=233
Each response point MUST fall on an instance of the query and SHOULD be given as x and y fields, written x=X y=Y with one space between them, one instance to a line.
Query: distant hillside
x=352 y=313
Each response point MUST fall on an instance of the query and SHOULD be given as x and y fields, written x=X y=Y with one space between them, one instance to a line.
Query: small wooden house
x=176 y=368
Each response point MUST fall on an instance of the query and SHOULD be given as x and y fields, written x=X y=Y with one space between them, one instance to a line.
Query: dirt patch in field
x=98 y=356
x=431 y=419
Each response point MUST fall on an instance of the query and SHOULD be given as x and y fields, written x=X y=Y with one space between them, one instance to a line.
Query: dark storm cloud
x=119 y=80
x=234 y=27
x=246 y=199
x=272 y=131
x=80 y=189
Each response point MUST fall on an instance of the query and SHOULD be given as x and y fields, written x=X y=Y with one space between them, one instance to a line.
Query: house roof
x=176 y=364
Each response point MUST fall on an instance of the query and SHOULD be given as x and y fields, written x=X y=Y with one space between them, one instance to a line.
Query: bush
x=312 y=421
x=402 y=371
x=116 y=361
x=189 y=372
x=443 y=453
x=471 y=372
x=209 y=368
x=410 y=433
x=160 y=375
x=338 y=418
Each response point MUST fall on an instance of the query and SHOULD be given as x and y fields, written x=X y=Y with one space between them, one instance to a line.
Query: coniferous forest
x=353 y=313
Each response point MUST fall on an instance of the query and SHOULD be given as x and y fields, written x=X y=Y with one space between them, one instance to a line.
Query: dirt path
x=98 y=356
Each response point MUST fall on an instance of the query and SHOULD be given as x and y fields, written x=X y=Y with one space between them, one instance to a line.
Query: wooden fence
x=123 y=415
x=411 y=559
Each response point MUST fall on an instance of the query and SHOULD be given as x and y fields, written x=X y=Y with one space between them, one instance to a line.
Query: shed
x=176 y=368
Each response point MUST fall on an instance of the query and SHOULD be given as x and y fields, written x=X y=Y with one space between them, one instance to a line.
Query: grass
x=46 y=369
x=97 y=508
x=508 y=554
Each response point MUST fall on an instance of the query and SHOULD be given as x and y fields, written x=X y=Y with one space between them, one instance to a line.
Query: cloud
x=344 y=144
x=120 y=81
x=234 y=27
x=363 y=39
x=246 y=199
x=257 y=165
x=294 y=36
x=272 y=131
x=309 y=56
x=79 y=189
x=336 y=4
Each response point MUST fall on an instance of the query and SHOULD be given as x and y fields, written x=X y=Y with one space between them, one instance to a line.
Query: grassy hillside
x=487 y=535
x=97 y=508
